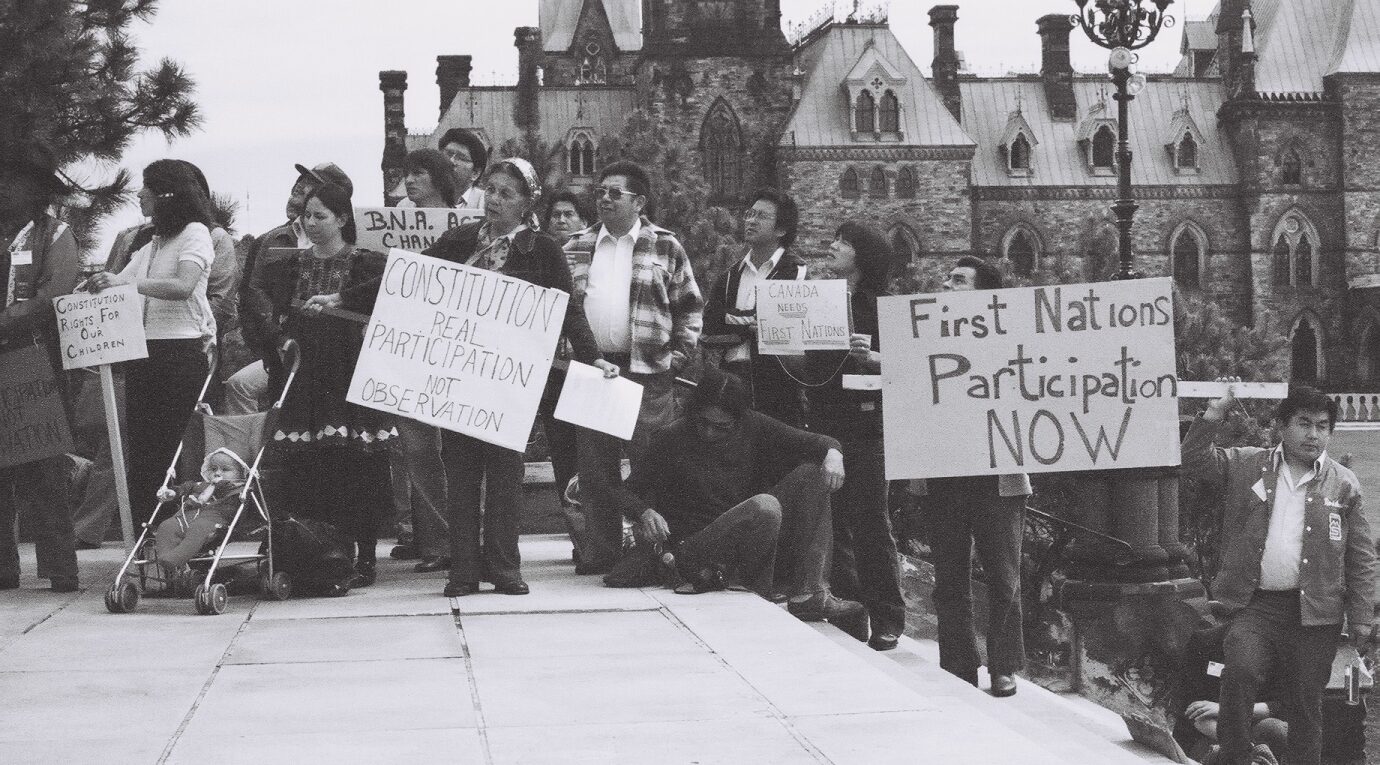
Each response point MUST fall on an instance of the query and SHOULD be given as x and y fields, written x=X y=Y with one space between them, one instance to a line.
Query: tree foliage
x=69 y=78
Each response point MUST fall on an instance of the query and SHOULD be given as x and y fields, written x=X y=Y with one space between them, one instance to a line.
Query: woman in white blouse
x=171 y=273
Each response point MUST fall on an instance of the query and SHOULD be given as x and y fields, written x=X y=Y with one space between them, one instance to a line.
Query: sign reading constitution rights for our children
x=798 y=316
x=461 y=348
x=106 y=327
x=407 y=228
x=1035 y=380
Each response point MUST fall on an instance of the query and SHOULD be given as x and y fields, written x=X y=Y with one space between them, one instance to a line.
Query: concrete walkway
x=573 y=673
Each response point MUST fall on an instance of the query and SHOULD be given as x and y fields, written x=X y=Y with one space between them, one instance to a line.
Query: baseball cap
x=328 y=172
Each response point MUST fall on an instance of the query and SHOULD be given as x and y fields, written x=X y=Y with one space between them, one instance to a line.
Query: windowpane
x=1280 y=262
x=1292 y=168
x=1187 y=155
x=1020 y=153
x=1305 y=353
x=905 y=183
x=1022 y=253
x=890 y=113
x=866 y=117
x=848 y=184
x=876 y=185
x=1103 y=147
x=1303 y=262
x=1186 y=257
x=720 y=143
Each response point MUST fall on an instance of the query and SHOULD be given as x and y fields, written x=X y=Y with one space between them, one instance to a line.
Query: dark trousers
x=792 y=519
x=1263 y=639
x=484 y=487
x=562 y=442
x=599 y=458
x=44 y=485
x=419 y=484
x=160 y=392
x=866 y=567
x=968 y=514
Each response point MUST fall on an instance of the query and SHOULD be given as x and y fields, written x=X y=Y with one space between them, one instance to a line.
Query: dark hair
x=638 y=180
x=178 y=198
x=515 y=174
x=787 y=213
x=719 y=388
x=217 y=217
x=1303 y=398
x=873 y=254
x=582 y=208
x=337 y=200
x=434 y=164
x=479 y=155
x=986 y=275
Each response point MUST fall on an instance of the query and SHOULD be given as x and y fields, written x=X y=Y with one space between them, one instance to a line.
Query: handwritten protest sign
x=462 y=348
x=794 y=317
x=1040 y=379
x=33 y=423
x=407 y=228
x=590 y=401
x=102 y=328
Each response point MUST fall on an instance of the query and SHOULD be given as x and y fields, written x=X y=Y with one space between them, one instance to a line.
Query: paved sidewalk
x=573 y=673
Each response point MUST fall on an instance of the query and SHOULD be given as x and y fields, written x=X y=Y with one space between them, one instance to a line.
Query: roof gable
x=871 y=64
x=1016 y=125
x=1298 y=42
x=559 y=20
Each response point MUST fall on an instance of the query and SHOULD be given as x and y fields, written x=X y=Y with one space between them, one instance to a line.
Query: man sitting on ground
x=702 y=492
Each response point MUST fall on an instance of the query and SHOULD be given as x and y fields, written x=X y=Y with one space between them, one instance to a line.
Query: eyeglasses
x=612 y=192
x=753 y=213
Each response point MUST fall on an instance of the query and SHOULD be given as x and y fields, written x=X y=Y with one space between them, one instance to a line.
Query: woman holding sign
x=334 y=452
x=505 y=242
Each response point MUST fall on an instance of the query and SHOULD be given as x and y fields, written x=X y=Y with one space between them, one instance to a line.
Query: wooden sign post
x=97 y=331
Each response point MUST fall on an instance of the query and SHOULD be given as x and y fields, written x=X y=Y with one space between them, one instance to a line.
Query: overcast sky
x=287 y=81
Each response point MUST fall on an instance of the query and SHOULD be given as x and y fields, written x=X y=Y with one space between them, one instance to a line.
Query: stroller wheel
x=122 y=597
x=216 y=598
x=200 y=601
x=279 y=587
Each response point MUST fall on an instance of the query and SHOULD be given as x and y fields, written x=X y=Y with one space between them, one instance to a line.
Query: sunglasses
x=614 y=193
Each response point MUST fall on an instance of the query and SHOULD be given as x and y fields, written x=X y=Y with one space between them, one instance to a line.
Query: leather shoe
x=883 y=641
x=1003 y=686
x=434 y=563
x=365 y=575
x=513 y=586
x=404 y=552
x=64 y=583
x=460 y=589
x=848 y=615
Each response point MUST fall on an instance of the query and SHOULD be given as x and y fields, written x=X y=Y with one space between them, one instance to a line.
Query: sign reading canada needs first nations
x=1033 y=379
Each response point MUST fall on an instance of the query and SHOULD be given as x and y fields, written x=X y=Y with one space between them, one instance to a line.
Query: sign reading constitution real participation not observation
x=1035 y=380
x=407 y=228
x=106 y=327
x=461 y=348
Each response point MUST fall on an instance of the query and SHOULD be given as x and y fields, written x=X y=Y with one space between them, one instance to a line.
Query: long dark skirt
x=346 y=487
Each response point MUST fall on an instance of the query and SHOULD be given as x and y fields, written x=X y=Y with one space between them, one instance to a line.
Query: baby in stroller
x=207 y=504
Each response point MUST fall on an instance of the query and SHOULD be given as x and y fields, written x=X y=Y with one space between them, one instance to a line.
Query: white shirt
x=1279 y=564
x=159 y=259
x=746 y=299
x=607 y=295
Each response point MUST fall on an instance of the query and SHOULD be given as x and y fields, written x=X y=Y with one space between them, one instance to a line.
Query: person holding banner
x=866 y=567
x=484 y=481
x=171 y=272
x=333 y=451
x=38 y=262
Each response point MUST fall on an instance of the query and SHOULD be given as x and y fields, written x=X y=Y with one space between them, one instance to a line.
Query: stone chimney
x=526 y=114
x=945 y=65
x=452 y=74
x=1056 y=68
x=393 y=84
x=1231 y=61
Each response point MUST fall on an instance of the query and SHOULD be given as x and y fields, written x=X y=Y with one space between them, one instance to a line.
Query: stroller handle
x=291 y=356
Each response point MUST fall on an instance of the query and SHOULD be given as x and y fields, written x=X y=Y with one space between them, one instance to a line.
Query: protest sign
x=798 y=316
x=457 y=347
x=101 y=328
x=33 y=422
x=1038 y=379
x=591 y=401
x=407 y=228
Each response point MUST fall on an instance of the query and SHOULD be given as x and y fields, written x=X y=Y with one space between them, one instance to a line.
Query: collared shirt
x=472 y=199
x=1279 y=563
x=492 y=252
x=607 y=303
x=746 y=299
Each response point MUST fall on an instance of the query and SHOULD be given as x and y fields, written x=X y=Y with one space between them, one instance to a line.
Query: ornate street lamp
x=1123 y=26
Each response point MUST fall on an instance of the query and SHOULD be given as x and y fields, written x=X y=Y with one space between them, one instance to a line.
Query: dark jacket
x=1338 y=565
x=690 y=482
x=845 y=414
x=56 y=264
x=257 y=314
x=535 y=258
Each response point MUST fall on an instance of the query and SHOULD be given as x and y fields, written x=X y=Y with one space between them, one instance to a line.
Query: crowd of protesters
x=747 y=470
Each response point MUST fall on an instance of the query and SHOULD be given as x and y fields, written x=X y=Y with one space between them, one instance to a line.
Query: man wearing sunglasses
x=646 y=313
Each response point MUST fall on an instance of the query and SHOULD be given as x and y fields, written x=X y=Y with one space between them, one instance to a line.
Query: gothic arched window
x=1019 y=153
x=905 y=183
x=1186 y=154
x=890 y=113
x=1187 y=256
x=876 y=184
x=1023 y=251
x=1295 y=252
x=865 y=113
x=848 y=184
x=1291 y=168
x=721 y=142
x=580 y=155
x=1304 y=355
x=1104 y=148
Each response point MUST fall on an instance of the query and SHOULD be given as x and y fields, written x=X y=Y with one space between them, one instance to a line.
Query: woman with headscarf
x=484 y=540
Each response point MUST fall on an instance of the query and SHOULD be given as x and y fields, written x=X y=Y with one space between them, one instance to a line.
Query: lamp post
x=1123 y=26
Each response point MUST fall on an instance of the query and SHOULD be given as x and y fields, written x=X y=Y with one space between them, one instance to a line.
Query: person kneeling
x=703 y=492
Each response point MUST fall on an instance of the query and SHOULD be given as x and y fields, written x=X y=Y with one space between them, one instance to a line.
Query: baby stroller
x=246 y=436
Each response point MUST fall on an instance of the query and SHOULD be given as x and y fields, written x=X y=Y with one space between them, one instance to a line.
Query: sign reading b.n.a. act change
x=1038 y=379
x=407 y=228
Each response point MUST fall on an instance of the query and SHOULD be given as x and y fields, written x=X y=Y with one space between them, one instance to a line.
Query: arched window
x=1291 y=167
x=1186 y=155
x=721 y=144
x=1295 y=253
x=1019 y=153
x=848 y=184
x=890 y=113
x=1279 y=263
x=1368 y=359
x=580 y=155
x=905 y=183
x=1305 y=357
x=865 y=113
x=1023 y=250
x=1303 y=261
x=876 y=184
x=1187 y=252
x=1104 y=148
x=904 y=243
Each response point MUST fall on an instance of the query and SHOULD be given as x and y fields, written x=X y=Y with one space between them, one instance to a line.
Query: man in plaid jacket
x=646 y=313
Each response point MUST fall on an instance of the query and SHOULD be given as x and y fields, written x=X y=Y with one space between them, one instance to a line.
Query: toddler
x=206 y=504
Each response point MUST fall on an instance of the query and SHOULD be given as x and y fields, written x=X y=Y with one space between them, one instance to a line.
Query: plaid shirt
x=667 y=309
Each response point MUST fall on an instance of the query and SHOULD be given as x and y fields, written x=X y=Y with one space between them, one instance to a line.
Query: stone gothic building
x=1255 y=166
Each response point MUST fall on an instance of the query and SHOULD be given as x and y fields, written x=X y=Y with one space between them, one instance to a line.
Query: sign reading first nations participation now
x=457 y=347
x=407 y=228
x=1034 y=380
x=106 y=327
